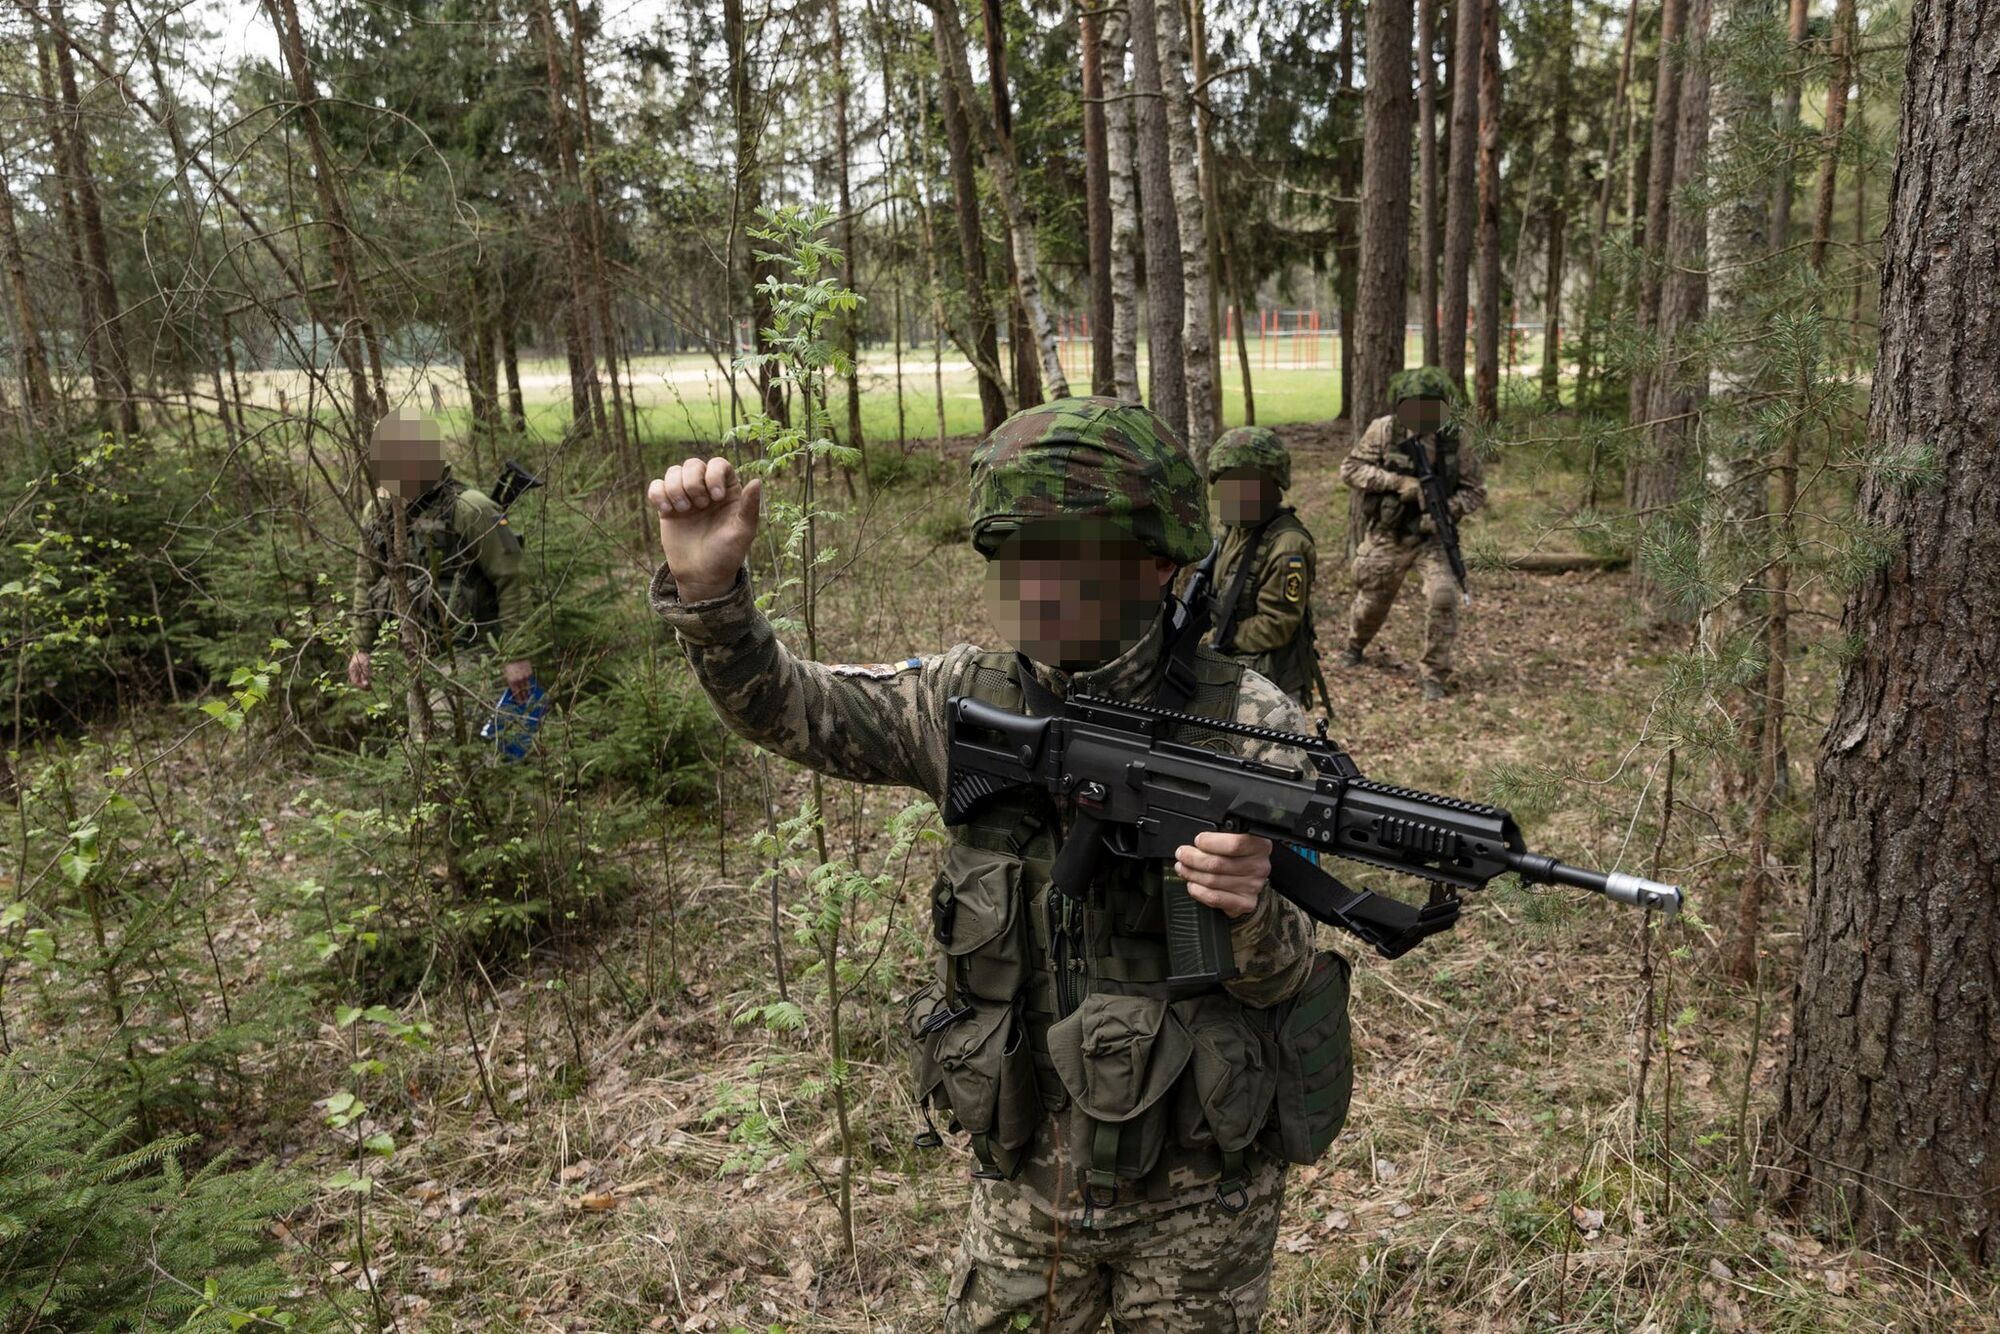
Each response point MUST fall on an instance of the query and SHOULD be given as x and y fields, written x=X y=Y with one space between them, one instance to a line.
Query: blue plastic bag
x=512 y=726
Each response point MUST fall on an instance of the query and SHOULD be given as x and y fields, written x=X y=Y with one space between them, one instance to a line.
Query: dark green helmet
x=1422 y=382
x=1252 y=447
x=1090 y=458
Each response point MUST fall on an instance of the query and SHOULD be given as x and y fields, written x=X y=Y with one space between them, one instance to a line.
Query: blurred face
x=408 y=454
x=1074 y=595
x=1245 y=495
x=1422 y=414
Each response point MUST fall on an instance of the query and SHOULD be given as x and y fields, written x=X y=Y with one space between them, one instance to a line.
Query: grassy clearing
x=649 y=1160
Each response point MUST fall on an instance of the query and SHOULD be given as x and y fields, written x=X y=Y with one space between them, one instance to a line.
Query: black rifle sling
x=1225 y=625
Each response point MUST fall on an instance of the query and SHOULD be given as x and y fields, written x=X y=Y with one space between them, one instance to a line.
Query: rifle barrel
x=1618 y=886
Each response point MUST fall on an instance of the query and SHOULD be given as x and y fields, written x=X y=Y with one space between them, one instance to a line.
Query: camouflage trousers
x=1198 y=1269
x=1380 y=566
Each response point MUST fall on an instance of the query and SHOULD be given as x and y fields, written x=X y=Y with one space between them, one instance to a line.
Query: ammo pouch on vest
x=978 y=919
x=975 y=1061
x=1315 y=1070
x=1119 y=1056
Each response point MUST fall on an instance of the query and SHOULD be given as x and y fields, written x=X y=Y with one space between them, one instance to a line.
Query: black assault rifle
x=1137 y=795
x=1438 y=505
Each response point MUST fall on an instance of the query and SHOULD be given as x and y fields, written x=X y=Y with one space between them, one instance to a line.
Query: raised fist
x=708 y=518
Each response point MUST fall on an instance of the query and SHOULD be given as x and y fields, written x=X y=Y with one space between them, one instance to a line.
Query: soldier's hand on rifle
x=360 y=674
x=518 y=673
x=1227 y=872
x=708 y=518
x=1410 y=489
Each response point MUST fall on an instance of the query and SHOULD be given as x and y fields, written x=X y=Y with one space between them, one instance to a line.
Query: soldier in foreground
x=1397 y=533
x=468 y=592
x=1264 y=572
x=1115 y=1129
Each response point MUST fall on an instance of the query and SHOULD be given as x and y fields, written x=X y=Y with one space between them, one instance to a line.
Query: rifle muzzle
x=1618 y=886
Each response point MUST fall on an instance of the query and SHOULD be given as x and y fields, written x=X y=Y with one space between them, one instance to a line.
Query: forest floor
x=666 y=1165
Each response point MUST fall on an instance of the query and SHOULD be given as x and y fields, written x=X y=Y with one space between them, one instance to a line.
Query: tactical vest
x=448 y=590
x=1387 y=509
x=1051 y=1011
x=1291 y=666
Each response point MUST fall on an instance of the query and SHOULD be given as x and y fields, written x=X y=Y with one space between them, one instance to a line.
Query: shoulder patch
x=876 y=671
x=1294 y=585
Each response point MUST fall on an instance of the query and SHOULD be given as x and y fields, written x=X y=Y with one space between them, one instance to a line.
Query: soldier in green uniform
x=1264 y=573
x=1397 y=535
x=1126 y=1145
x=463 y=568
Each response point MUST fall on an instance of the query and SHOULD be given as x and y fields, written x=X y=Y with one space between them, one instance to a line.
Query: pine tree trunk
x=1427 y=171
x=1558 y=217
x=1211 y=210
x=1460 y=213
x=1165 y=294
x=1486 y=356
x=1036 y=338
x=983 y=346
x=356 y=337
x=1836 y=125
x=1660 y=182
x=1788 y=120
x=599 y=273
x=842 y=151
x=933 y=277
x=1601 y=219
x=1658 y=472
x=104 y=389
x=1346 y=228
x=1197 y=328
x=1381 y=297
x=38 y=389
x=517 y=411
x=1118 y=153
x=1097 y=201
x=1886 y=1129
x=575 y=228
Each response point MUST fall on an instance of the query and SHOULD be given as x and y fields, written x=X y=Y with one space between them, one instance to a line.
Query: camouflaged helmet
x=1422 y=382
x=1090 y=458
x=1251 y=447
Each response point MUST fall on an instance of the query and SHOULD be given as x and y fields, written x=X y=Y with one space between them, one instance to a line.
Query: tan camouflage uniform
x=1394 y=543
x=1170 y=1258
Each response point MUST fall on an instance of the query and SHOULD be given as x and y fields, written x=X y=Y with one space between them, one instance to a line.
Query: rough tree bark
x=1667 y=82
x=1788 y=121
x=1427 y=171
x=38 y=389
x=983 y=344
x=1657 y=471
x=1836 y=125
x=575 y=227
x=1886 y=1127
x=1460 y=214
x=1166 y=298
x=849 y=324
x=82 y=180
x=1486 y=351
x=1031 y=334
x=1601 y=219
x=1097 y=200
x=1558 y=215
x=1118 y=152
x=1043 y=370
x=357 y=334
x=1346 y=229
x=1381 y=300
x=1220 y=283
x=1197 y=326
x=600 y=275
